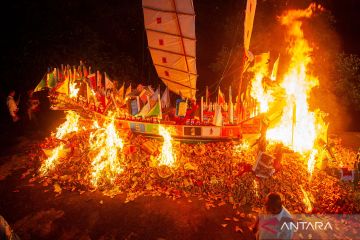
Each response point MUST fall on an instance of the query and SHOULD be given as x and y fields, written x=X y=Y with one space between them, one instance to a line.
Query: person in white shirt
x=13 y=106
x=269 y=225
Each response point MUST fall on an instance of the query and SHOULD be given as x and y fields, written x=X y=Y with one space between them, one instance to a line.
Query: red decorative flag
x=221 y=98
x=108 y=83
x=92 y=80
x=99 y=82
x=143 y=96
x=207 y=94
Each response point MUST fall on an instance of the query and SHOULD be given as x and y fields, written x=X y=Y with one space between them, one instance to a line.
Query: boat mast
x=247 y=56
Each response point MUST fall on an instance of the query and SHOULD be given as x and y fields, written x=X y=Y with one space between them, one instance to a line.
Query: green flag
x=41 y=85
x=155 y=111
x=51 y=80
x=145 y=110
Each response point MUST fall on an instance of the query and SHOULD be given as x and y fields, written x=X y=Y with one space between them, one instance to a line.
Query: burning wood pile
x=93 y=154
x=88 y=155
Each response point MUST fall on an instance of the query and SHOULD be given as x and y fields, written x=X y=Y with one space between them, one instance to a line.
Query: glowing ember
x=242 y=147
x=107 y=144
x=73 y=90
x=50 y=162
x=70 y=125
x=262 y=96
x=311 y=161
x=307 y=201
x=166 y=157
x=298 y=127
x=256 y=187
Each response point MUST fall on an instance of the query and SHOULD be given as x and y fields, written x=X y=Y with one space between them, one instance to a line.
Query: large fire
x=107 y=146
x=299 y=127
x=73 y=90
x=166 y=157
x=69 y=126
x=311 y=161
x=50 y=162
x=263 y=96
x=307 y=200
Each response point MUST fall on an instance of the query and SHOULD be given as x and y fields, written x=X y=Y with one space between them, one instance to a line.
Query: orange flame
x=298 y=127
x=166 y=157
x=307 y=200
x=95 y=125
x=50 y=162
x=106 y=142
x=69 y=126
x=73 y=90
x=258 y=92
x=311 y=161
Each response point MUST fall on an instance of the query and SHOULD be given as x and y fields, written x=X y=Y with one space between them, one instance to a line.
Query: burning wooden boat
x=170 y=28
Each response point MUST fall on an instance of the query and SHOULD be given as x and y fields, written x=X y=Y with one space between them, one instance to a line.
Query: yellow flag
x=64 y=86
x=275 y=69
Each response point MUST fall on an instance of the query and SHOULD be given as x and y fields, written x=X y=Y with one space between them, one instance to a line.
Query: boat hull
x=195 y=133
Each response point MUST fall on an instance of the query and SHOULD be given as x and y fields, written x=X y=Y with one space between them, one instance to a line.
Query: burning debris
x=99 y=153
x=166 y=157
x=69 y=126
x=114 y=162
x=298 y=128
x=106 y=147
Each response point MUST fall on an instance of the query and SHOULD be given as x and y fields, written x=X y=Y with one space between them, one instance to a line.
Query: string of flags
x=99 y=92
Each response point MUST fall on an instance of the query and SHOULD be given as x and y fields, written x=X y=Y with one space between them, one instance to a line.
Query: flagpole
x=138 y=103
x=207 y=95
x=160 y=115
x=202 y=110
x=239 y=102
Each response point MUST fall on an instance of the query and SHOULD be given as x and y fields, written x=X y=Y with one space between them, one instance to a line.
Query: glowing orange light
x=298 y=127
x=307 y=200
x=166 y=157
x=108 y=146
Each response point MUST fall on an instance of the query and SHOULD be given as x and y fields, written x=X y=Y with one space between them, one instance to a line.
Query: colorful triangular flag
x=154 y=96
x=108 y=83
x=51 y=79
x=128 y=91
x=143 y=96
x=41 y=85
x=145 y=110
x=165 y=99
x=275 y=69
x=121 y=92
x=63 y=87
x=155 y=111
x=98 y=79
x=221 y=97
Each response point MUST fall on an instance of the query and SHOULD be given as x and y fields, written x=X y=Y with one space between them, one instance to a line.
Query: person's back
x=270 y=223
x=12 y=106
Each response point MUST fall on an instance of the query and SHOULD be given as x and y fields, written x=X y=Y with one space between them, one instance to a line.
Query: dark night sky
x=38 y=34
